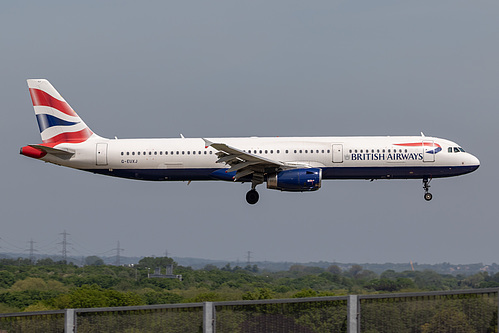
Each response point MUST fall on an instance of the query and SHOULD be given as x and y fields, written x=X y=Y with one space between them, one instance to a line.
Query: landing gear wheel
x=252 y=197
x=426 y=186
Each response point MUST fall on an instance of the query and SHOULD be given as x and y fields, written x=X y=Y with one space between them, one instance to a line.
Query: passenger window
x=177 y=152
x=301 y=151
x=205 y=152
x=122 y=154
x=295 y=151
x=328 y=151
x=188 y=152
x=271 y=151
x=133 y=153
x=166 y=153
x=161 y=153
x=266 y=151
x=138 y=153
x=287 y=151
x=278 y=152
x=155 y=153
x=306 y=151
x=323 y=151
x=211 y=152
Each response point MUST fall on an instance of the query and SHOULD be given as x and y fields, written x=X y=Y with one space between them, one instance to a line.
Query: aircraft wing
x=245 y=163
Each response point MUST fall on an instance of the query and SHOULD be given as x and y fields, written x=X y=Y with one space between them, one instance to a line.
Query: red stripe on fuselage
x=41 y=98
x=418 y=144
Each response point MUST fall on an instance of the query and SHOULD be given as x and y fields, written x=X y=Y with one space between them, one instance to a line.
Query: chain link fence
x=173 y=319
x=322 y=314
x=461 y=311
x=33 y=322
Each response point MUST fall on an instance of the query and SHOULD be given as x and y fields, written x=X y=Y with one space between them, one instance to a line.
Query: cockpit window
x=455 y=150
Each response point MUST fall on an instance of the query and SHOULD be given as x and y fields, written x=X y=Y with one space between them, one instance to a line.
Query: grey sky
x=265 y=68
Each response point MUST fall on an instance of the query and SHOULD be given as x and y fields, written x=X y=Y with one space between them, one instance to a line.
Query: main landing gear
x=426 y=186
x=252 y=196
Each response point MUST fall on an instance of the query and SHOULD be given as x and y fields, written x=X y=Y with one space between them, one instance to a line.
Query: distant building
x=168 y=273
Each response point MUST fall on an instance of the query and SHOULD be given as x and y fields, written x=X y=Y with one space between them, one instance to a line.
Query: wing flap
x=243 y=173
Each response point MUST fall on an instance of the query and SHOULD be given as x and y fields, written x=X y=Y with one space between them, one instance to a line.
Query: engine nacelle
x=295 y=180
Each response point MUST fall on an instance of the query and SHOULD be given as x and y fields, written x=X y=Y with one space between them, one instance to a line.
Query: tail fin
x=57 y=121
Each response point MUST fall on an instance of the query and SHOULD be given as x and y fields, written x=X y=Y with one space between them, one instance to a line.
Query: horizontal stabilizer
x=54 y=151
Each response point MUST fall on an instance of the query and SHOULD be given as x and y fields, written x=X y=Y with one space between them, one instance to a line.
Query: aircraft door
x=428 y=151
x=101 y=154
x=337 y=153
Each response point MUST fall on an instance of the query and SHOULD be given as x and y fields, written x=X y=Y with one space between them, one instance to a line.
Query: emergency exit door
x=337 y=153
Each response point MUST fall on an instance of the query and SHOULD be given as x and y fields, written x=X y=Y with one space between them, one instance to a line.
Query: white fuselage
x=338 y=157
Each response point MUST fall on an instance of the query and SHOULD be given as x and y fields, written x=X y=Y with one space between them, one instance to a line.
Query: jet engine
x=295 y=180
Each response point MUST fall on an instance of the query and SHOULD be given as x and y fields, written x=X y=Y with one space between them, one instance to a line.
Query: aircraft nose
x=473 y=161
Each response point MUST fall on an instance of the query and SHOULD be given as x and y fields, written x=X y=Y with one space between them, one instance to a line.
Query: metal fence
x=36 y=322
x=467 y=311
x=459 y=311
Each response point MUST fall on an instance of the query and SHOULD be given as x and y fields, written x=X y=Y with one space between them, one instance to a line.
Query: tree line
x=48 y=285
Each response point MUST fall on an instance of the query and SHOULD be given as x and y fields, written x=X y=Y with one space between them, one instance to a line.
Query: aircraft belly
x=395 y=172
x=158 y=174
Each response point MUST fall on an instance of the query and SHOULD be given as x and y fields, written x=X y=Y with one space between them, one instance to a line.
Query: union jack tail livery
x=57 y=121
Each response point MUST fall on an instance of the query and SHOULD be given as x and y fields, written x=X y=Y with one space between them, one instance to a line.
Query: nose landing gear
x=426 y=186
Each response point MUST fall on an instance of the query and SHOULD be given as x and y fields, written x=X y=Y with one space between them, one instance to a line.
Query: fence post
x=69 y=321
x=352 y=315
x=208 y=315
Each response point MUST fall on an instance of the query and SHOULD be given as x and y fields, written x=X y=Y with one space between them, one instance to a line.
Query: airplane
x=294 y=164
